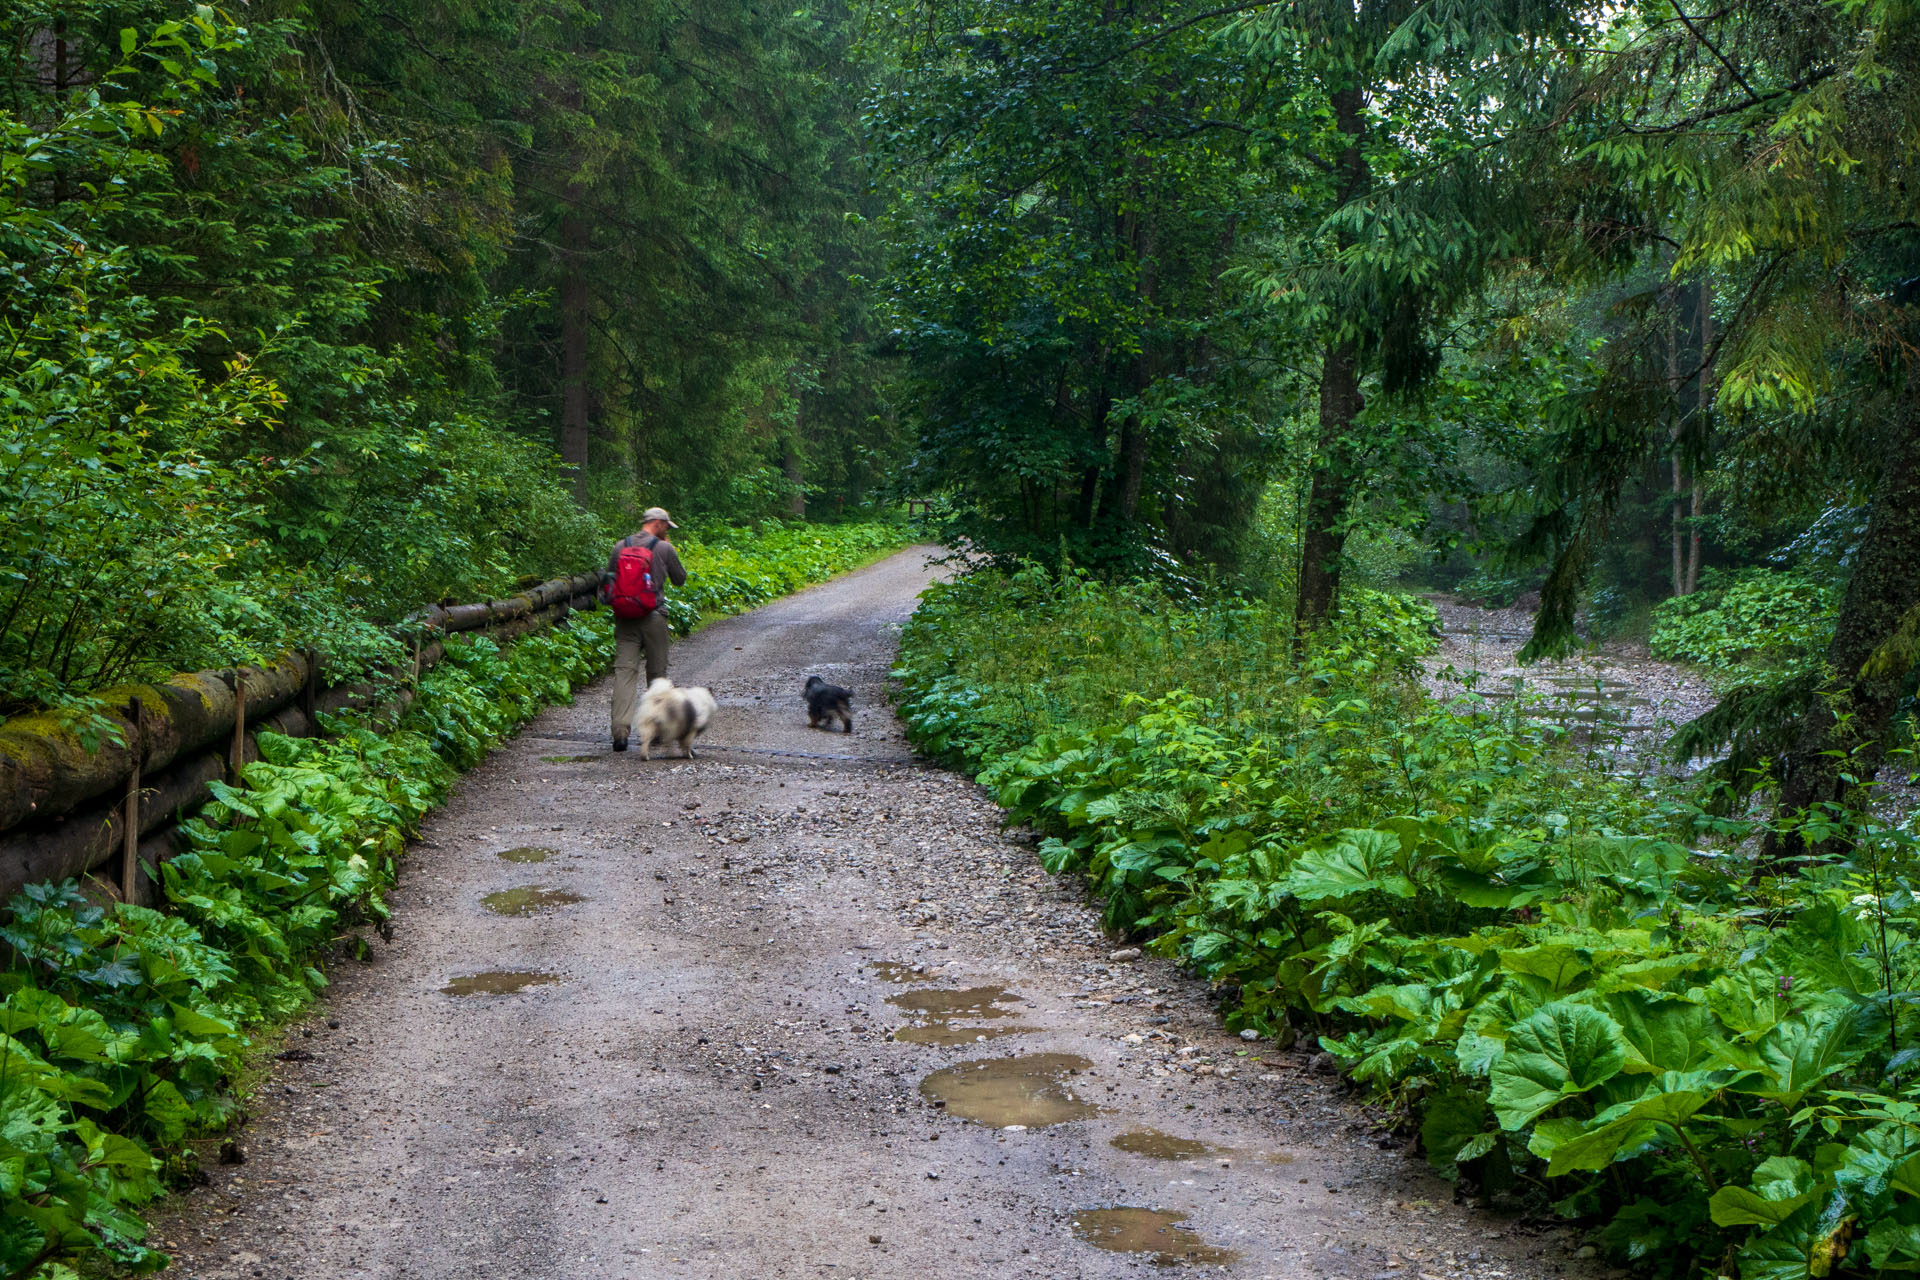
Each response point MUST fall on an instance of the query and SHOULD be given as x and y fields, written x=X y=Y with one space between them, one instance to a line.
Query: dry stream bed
x=796 y=1008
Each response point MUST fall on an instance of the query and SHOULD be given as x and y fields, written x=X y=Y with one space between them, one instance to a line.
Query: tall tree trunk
x=1323 y=541
x=1133 y=432
x=1678 y=529
x=1089 y=504
x=1696 y=509
x=1703 y=390
x=793 y=464
x=1330 y=495
x=576 y=304
x=1133 y=446
x=1883 y=589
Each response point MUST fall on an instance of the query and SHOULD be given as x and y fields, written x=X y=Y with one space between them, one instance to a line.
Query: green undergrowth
x=123 y=1029
x=1569 y=982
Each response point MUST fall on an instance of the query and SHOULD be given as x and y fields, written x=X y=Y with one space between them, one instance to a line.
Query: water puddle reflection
x=497 y=982
x=528 y=899
x=1030 y=1092
x=1149 y=1231
x=527 y=853
x=937 y=1010
x=1155 y=1145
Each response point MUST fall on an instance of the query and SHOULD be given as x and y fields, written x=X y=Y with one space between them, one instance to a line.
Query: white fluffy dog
x=671 y=714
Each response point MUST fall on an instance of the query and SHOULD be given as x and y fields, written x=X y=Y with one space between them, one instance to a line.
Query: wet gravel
x=700 y=1076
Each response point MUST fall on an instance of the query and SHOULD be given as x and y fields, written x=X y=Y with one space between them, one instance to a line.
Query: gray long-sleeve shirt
x=666 y=561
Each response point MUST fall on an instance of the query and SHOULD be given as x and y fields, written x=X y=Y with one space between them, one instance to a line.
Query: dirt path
x=710 y=1084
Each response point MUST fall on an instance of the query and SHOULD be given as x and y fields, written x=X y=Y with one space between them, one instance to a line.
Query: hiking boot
x=619 y=742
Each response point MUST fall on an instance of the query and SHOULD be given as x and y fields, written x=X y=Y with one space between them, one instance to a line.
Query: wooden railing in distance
x=67 y=810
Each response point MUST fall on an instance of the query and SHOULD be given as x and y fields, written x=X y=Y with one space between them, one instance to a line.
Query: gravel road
x=765 y=1004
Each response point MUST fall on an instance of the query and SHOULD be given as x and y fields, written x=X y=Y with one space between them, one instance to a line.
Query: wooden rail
x=67 y=808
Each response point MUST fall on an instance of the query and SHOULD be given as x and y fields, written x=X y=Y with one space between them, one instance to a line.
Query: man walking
x=637 y=573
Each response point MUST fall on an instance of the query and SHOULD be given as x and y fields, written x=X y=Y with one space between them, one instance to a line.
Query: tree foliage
x=280 y=342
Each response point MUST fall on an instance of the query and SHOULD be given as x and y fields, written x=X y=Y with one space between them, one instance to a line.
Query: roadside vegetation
x=1573 y=984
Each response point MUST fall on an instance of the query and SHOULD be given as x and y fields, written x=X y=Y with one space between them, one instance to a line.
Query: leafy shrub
x=1563 y=980
x=1495 y=588
x=1757 y=616
x=168 y=499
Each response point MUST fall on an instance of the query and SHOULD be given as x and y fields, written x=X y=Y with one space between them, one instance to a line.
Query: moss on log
x=90 y=836
x=61 y=810
x=46 y=769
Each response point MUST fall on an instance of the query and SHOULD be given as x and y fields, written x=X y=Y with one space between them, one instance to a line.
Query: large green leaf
x=1739 y=1207
x=1563 y=1050
x=1560 y=965
x=1664 y=1033
x=1671 y=1101
x=1806 y=1244
x=1894 y=1246
x=1455 y=1120
x=1354 y=862
x=1803 y=1051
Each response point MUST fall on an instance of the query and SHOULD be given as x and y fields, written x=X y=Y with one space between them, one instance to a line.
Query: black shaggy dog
x=827 y=703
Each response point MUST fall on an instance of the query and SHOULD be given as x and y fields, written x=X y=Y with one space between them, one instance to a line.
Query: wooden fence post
x=130 y=814
x=310 y=692
x=239 y=757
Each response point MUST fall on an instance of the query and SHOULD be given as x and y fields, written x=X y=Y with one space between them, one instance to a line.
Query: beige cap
x=658 y=513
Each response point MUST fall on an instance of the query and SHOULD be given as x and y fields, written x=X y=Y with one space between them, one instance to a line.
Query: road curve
x=707 y=1082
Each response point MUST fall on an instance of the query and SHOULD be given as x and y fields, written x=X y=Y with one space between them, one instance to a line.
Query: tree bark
x=1323 y=541
x=1678 y=530
x=1695 y=511
x=1845 y=732
x=793 y=466
x=1330 y=494
x=1703 y=402
x=1133 y=455
x=576 y=303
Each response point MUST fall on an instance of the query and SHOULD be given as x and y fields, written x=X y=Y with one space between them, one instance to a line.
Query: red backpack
x=633 y=594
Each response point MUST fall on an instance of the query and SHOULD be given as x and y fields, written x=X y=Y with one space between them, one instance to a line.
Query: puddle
x=527 y=853
x=497 y=982
x=974 y=1002
x=945 y=1035
x=528 y=899
x=1028 y=1091
x=939 y=1009
x=1151 y=1231
x=895 y=971
x=1155 y=1145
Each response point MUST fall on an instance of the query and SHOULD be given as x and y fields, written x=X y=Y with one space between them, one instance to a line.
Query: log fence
x=70 y=808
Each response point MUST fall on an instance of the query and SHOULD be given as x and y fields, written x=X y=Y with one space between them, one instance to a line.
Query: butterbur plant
x=1572 y=983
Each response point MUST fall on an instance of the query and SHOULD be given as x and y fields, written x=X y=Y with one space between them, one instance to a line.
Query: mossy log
x=45 y=768
x=492 y=613
x=90 y=836
x=63 y=804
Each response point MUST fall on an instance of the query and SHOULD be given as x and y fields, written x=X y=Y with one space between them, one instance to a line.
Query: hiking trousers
x=630 y=637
